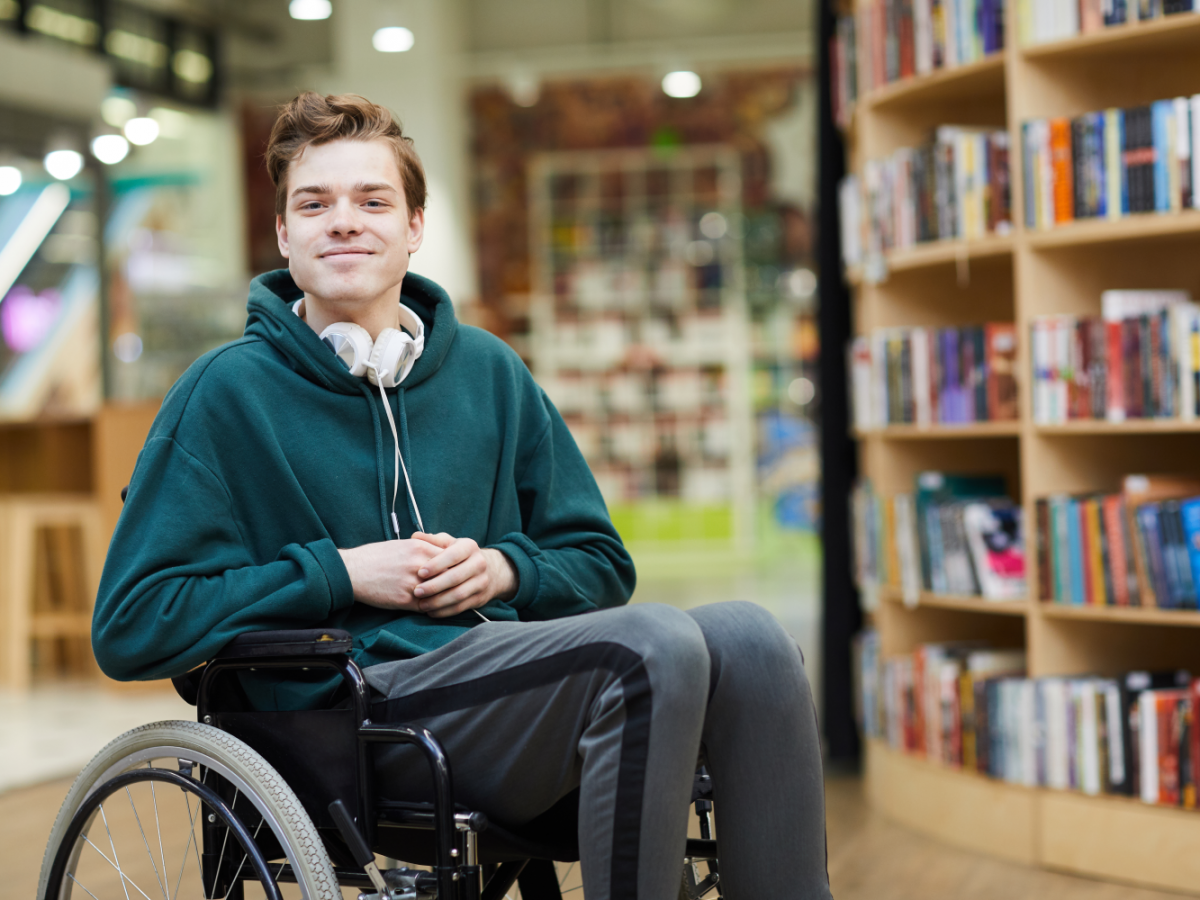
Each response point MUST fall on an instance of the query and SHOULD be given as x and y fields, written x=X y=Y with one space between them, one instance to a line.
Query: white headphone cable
x=379 y=376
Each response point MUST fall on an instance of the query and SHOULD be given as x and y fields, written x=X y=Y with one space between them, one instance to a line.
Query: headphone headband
x=394 y=351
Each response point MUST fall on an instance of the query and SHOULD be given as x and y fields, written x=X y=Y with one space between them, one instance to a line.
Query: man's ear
x=416 y=230
x=281 y=236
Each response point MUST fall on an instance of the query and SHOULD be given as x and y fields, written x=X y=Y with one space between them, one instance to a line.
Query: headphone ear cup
x=390 y=353
x=351 y=344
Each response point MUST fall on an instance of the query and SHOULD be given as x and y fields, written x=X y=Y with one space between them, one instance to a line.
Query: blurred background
x=623 y=190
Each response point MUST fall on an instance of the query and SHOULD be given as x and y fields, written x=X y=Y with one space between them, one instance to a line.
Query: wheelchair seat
x=293 y=793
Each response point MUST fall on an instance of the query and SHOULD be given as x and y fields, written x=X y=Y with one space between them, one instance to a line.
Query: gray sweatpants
x=621 y=703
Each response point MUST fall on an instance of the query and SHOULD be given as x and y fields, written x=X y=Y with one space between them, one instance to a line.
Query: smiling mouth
x=333 y=253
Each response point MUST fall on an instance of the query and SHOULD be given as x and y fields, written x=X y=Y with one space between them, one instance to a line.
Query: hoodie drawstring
x=398 y=465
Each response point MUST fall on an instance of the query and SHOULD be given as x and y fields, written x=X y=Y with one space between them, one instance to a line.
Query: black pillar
x=842 y=615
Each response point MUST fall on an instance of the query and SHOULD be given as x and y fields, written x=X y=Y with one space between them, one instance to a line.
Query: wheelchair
x=200 y=809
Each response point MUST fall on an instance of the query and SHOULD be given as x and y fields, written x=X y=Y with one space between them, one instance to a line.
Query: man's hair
x=313 y=119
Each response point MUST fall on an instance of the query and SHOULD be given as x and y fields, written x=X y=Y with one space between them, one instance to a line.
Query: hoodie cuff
x=341 y=591
x=527 y=574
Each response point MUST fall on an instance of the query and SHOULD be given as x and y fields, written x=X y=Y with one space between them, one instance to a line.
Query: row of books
x=1114 y=163
x=969 y=706
x=955 y=186
x=1139 y=359
x=894 y=39
x=953 y=534
x=921 y=376
x=1055 y=20
x=1136 y=547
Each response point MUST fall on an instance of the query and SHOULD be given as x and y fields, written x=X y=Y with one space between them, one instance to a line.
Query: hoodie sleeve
x=178 y=582
x=568 y=556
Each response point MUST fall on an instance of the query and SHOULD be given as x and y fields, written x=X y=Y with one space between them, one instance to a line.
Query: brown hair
x=313 y=119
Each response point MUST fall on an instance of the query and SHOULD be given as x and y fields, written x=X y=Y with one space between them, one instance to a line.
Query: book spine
x=1061 y=161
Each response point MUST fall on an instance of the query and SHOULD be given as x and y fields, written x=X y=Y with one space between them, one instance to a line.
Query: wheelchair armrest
x=301 y=642
x=267 y=644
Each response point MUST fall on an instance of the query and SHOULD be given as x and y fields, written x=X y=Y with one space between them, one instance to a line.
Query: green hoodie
x=268 y=456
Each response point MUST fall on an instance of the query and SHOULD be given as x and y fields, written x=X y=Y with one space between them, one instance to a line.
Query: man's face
x=346 y=231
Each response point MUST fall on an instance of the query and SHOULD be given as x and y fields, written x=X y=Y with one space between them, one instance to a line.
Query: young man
x=265 y=498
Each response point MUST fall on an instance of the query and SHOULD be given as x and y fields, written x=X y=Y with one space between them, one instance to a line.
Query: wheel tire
x=215 y=749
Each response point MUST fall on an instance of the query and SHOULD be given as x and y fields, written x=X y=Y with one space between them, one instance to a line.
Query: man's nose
x=345 y=218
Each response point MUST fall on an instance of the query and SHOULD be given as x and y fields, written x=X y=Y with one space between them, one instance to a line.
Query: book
x=994 y=536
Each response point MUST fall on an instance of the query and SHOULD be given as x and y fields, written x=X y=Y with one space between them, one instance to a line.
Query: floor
x=869 y=858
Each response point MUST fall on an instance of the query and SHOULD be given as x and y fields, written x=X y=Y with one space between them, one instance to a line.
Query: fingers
x=456 y=553
x=441 y=540
x=460 y=598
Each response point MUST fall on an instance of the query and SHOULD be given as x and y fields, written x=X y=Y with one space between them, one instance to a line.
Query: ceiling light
x=141 y=131
x=110 y=149
x=393 y=39
x=10 y=180
x=310 y=10
x=116 y=111
x=681 y=84
x=63 y=164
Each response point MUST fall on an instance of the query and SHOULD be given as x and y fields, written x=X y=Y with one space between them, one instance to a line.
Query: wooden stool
x=48 y=579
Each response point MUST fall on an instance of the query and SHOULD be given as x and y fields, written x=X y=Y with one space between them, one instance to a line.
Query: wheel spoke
x=85 y=890
x=191 y=841
x=124 y=877
x=153 y=864
x=225 y=841
x=246 y=855
x=116 y=859
x=158 y=825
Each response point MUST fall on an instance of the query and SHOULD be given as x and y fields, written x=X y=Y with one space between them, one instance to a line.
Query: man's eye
x=375 y=204
x=311 y=204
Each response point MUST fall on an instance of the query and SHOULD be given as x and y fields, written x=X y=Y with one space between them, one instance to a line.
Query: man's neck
x=374 y=317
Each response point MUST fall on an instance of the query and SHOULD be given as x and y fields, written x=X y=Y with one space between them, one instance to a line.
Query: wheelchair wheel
x=139 y=834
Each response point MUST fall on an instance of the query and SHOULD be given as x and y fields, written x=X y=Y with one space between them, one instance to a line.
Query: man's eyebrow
x=374 y=188
x=313 y=189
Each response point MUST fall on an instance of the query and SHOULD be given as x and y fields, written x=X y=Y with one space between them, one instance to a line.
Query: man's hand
x=385 y=574
x=461 y=576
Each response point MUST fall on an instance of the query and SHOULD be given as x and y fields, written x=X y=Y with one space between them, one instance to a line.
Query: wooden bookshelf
x=1168 y=34
x=1184 y=618
x=968 y=604
x=965 y=82
x=1018 y=277
x=926 y=432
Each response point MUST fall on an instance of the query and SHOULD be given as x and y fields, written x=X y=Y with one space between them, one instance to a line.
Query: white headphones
x=388 y=359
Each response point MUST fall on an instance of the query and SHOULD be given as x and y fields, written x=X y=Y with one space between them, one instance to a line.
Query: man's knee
x=669 y=641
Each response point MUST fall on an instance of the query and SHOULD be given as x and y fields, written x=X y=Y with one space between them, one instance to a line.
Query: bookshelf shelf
x=1129 y=426
x=967 y=604
x=1031 y=273
x=1141 y=227
x=928 y=432
x=986 y=76
x=1186 y=618
x=1170 y=33
x=1109 y=837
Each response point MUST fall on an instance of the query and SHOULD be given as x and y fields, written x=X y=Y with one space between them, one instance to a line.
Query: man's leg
x=762 y=749
x=611 y=702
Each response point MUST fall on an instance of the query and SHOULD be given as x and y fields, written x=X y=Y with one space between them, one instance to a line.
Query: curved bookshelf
x=1083 y=427
x=965 y=604
x=942 y=85
x=1170 y=33
x=1187 y=618
x=1060 y=270
x=928 y=432
x=1104 y=836
x=1139 y=227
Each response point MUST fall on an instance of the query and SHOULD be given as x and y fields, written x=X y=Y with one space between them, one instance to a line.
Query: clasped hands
x=435 y=574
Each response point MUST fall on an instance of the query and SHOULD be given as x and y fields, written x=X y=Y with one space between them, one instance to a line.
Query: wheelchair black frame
x=454 y=879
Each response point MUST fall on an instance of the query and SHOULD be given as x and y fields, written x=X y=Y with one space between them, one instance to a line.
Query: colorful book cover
x=1075 y=555
x=996 y=542
x=1060 y=158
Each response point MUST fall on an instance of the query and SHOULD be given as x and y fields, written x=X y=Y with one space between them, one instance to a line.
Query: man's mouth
x=346 y=251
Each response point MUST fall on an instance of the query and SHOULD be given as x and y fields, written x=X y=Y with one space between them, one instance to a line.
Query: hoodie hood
x=270 y=318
